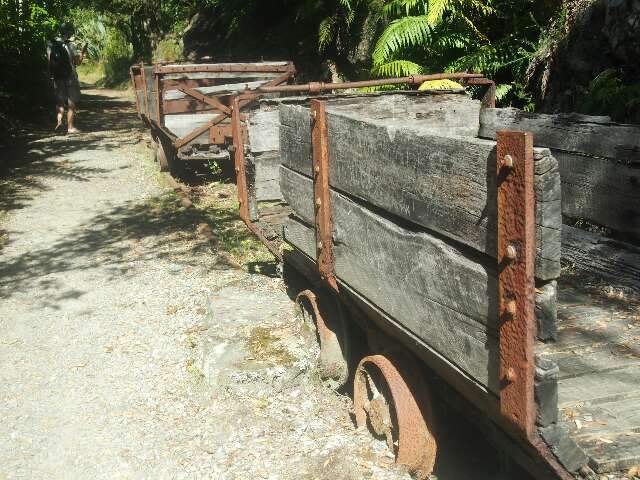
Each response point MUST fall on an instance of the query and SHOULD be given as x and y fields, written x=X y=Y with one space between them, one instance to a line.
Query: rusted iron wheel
x=393 y=401
x=327 y=318
x=163 y=159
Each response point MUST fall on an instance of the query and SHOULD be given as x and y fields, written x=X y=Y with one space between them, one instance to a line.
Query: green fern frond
x=453 y=40
x=325 y=33
x=437 y=9
x=502 y=90
x=396 y=8
x=413 y=31
x=397 y=68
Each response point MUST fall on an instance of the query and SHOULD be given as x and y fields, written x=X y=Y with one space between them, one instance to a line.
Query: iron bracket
x=322 y=194
x=516 y=285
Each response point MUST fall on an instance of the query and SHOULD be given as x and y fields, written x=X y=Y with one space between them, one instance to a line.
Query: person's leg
x=71 y=113
x=74 y=96
x=59 y=115
x=60 y=92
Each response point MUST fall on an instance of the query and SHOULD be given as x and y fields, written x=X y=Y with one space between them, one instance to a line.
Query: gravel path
x=129 y=350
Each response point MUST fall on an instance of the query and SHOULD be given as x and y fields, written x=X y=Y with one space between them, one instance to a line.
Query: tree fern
x=405 y=32
x=397 y=68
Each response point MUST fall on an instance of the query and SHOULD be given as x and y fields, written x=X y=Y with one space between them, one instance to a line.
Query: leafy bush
x=90 y=29
x=608 y=95
x=116 y=58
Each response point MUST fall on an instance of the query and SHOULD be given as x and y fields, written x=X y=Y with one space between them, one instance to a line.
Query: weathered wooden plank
x=547 y=310
x=465 y=345
x=598 y=163
x=600 y=388
x=570 y=133
x=264 y=129
x=225 y=89
x=180 y=125
x=220 y=75
x=446 y=184
x=227 y=66
x=600 y=190
x=564 y=447
x=610 y=261
x=447 y=298
x=589 y=360
x=446 y=114
x=546 y=391
x=150 y=93
x=606 y=420
x=267 y=178
x=613 y=453
x=456 y=378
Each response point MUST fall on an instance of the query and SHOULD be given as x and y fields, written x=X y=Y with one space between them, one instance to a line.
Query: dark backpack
x=60 y=61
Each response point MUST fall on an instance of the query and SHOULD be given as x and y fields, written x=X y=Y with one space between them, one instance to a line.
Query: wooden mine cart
x=449 y=232
x=188 y=107
x=440 y=223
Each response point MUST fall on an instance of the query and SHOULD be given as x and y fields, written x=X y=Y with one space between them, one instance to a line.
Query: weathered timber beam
x=446 y=184
x=598 y=162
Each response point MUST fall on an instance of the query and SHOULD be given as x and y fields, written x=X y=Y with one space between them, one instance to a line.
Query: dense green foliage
x=348 y=39
x=25 y=28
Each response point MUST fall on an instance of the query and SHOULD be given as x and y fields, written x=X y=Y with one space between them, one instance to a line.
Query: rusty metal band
x=211 y=101
x=243 y=99
x=516 y=259
x=238 y=143
x=230 y=67
x=146 y=91
x=489 y=97
x=272 y=247
x=322 y=194
x=318 y=87
x=158 y=90
x=134 y=84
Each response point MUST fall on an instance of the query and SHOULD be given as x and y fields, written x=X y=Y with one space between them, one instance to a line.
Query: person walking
x=63 y=57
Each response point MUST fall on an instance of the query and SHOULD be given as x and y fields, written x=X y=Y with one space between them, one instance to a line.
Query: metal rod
x=317 y=87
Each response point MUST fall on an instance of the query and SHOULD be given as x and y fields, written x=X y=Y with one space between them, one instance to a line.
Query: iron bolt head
x=314 y=114
x=237 y=169
x=511 y=375
x=318 y=202
x=507 y=161
x=319 y=245
x=511 y=253
x=512 y=308
x=317 y=169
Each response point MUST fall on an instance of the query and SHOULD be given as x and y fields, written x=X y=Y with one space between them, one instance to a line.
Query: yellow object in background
x=440 y=85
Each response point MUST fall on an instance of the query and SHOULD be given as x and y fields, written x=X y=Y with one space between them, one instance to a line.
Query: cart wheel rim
x=393 y=401
x=332 y=361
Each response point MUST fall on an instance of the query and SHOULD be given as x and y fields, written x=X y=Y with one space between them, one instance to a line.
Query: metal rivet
x=317 y=169
x=511 y=375
x=320 y=245
x=511 y=253
x=318 y=202
x=314 y=114
x=507 y=161
x=512 y=308
x=237 y=169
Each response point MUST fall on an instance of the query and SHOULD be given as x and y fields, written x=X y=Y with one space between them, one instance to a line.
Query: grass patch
x=91 y=73
x=264 y=347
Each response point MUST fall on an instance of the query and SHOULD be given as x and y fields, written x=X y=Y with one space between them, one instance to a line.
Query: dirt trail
x=129 y=349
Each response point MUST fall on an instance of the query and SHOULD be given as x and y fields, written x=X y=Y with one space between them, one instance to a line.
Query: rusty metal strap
x=322 y=194
x=516 y=259
x=212 y=101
